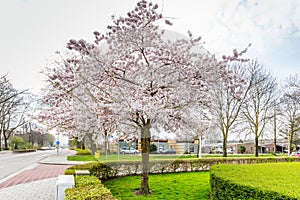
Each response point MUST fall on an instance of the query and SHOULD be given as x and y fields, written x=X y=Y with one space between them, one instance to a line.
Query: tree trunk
x=0 y=141
x=275 y=133
x=256 y=146
x=5 y=143
x=145 y=142
x=291 y=135
x=225 y=147
x=199 y=146
x=225 y=134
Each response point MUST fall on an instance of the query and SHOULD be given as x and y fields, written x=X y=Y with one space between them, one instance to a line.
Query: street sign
x=57 y=142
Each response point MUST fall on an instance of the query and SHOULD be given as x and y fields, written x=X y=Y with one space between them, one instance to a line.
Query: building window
x=192 y=149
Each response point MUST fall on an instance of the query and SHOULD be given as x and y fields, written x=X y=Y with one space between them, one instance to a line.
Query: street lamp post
x=118 y=149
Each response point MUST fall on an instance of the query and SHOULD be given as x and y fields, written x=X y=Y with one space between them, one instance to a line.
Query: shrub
x=24 y=150
x=153 y=148
x=28 y=145
x=17 y=143
x=256 y=181
x=242 y=149
x=83 y=152
x=121 y=168
x=103 y=171
x=86 y=166
x=88 y=188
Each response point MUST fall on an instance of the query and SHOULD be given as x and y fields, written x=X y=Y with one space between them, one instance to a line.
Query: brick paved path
x=38 y=172
x=36 y=190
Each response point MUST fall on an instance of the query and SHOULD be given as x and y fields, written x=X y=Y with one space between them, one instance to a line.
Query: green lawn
x=188 y=186
x=128 y=157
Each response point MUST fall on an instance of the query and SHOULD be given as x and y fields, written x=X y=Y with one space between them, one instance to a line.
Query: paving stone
x=36 y=190
x=37 y=182
x=37 y=173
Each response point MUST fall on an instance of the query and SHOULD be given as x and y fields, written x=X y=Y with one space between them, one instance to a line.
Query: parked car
x=168 y=151
x=296 y=154
x=230 y=151
x=128 y=150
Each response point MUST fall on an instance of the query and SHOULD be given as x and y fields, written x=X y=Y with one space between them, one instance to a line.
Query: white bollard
x=62 y=183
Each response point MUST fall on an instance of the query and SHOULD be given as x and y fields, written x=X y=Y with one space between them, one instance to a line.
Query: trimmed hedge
x=86 y=166
x=88 y=188
x=122 y=168
x=24 y=150
x=256 y=181
x=82 y=152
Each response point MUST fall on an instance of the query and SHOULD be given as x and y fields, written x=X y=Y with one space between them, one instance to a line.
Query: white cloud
x=32 y=30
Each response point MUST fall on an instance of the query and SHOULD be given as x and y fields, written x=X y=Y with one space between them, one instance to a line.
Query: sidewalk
x=61 y=158
x=5 y=152
x=38 y=183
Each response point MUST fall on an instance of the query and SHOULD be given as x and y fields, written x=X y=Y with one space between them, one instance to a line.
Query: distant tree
x=291 y=107
x=258 y=107
x=5 y=88
x=228 y=95
x=17 y=143
x=12 y=110
x=49 y=139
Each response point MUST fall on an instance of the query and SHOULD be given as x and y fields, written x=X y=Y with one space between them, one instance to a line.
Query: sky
x=31 y=31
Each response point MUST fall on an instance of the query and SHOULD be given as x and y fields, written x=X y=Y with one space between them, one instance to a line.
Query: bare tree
x=12 y=114
x=291 y=107
x=228 y=94
x=260 y=100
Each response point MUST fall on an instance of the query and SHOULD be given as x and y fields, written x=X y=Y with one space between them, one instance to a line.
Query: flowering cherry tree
x=194 y=124
x=133 y=77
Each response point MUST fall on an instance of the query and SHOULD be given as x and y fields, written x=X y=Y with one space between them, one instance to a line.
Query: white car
x=128 y=150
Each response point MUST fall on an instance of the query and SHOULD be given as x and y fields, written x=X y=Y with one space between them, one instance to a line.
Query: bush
x=17 y=143
x=153 y=148
x=86 y=166
x=88 y=188
x=83 y=152
x=24 y=150
x=242 y=149
x=103 y=171
x=259 y=181
x=121 y=168
x=97 y=169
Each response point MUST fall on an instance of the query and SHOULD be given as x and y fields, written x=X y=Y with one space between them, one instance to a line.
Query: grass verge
x=188 y=186
x=128 y=157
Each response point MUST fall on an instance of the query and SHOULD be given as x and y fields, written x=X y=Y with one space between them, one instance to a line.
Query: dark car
x=168 y=151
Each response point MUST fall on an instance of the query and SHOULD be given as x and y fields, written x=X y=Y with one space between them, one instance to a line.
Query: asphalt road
x=11 y=163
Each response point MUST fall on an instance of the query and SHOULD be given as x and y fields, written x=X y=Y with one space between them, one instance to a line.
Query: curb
x=44 y=161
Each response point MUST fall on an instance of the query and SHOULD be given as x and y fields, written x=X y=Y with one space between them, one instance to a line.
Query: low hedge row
x=88 y=188
x=24 y=150
x=255 y=181
x=86 y=166
x=122 y=168
x=82 y=152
